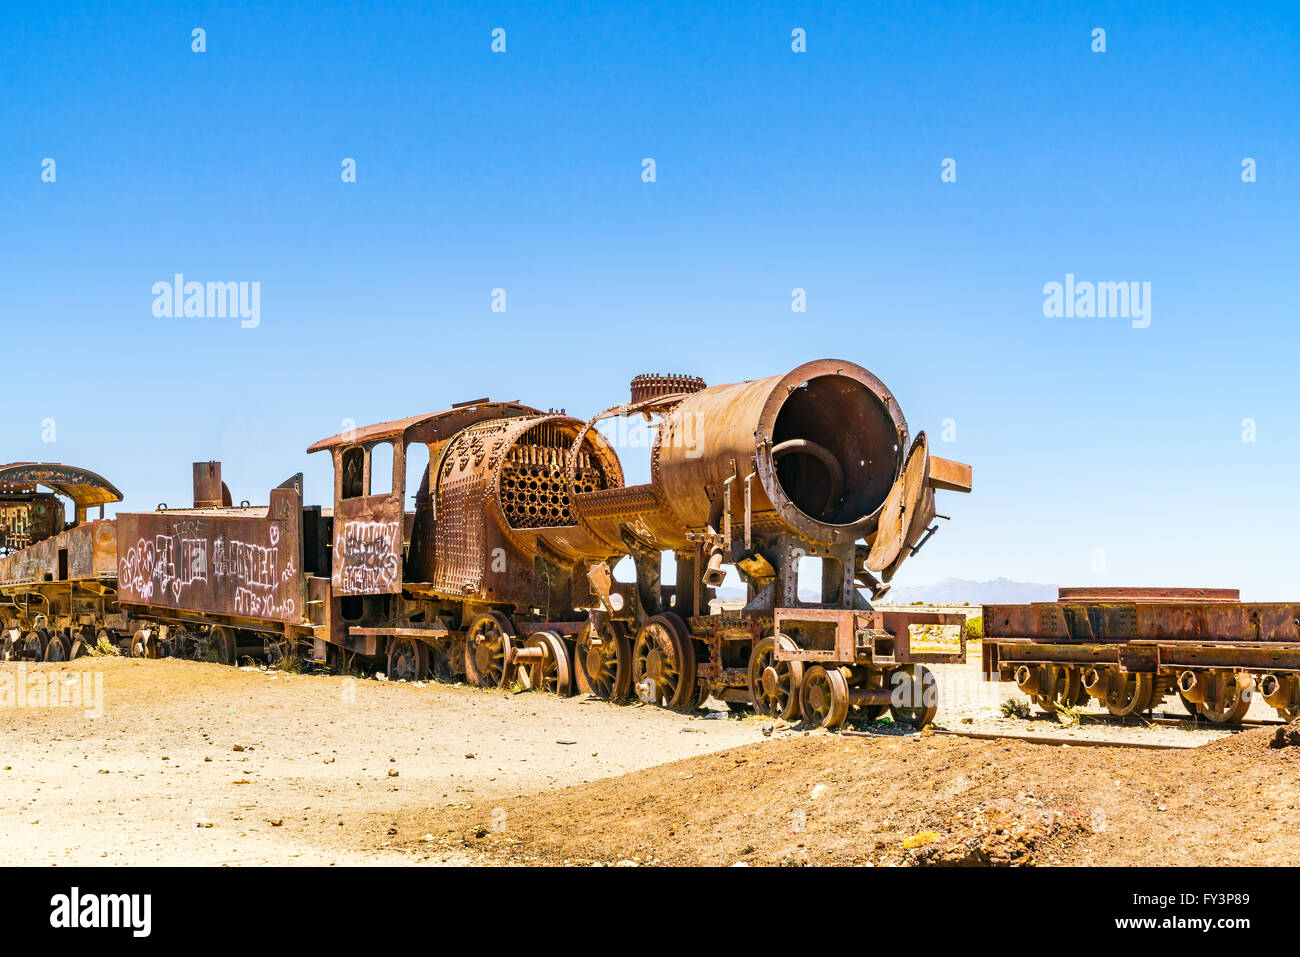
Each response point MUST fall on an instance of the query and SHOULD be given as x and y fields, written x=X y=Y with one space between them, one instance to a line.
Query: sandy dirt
x=195 y=763
x=826 y=799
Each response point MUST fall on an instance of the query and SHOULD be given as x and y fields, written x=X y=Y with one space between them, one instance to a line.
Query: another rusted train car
x=1130 y=648
x=57 y=572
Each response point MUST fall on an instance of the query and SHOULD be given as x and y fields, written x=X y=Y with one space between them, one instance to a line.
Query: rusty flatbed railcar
x=1130 y=648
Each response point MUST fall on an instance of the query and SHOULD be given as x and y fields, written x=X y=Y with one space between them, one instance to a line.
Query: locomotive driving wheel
x=663 y=663
x=408 y=659
x=774 y=685
x=553 y=671
x=824 y=697
x=605 y=656
x=1228 y=698
x=1130 y=693
x=915 y=697
x=489 y=650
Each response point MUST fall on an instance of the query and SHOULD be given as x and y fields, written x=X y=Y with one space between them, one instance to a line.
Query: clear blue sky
x=775 y=170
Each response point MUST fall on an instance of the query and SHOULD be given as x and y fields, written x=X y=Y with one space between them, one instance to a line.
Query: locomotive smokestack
x=209 y=490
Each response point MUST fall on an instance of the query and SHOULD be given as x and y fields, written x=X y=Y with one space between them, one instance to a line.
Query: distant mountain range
x=963 y=591
x=950 y=591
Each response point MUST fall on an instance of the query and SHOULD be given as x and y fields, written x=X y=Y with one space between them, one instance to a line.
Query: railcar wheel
x=58 y=649
x=663 y=664
x=824 y=697
x=1228 y=699
x=144 y=644
x=489 y=651
x=408 y=659
x=34 y=645
x=224 y=646
x=914 y=696
x=1064 y=689
x=1130 y=693
x=774 y=685
x=554 y=672
x=9 y=645
x=606 y=660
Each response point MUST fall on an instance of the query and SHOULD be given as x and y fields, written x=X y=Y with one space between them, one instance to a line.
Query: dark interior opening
x=354 y=463
x=836 y=449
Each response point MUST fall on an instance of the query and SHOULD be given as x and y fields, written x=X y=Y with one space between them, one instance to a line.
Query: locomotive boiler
x=772 y=477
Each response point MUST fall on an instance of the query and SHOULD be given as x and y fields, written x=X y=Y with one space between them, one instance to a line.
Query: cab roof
x=82 y=486
x=399 y=428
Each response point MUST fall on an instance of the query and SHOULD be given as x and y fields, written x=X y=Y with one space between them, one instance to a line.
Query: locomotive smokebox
x=817 y=450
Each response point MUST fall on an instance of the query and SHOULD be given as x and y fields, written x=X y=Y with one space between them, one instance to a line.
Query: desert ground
x=182 y=762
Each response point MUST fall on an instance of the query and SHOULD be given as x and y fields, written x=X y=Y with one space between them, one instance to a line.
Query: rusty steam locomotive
x=503 y=570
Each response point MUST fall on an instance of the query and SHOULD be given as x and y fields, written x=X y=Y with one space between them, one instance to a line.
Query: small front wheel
x=824 y=697
x=914 y=696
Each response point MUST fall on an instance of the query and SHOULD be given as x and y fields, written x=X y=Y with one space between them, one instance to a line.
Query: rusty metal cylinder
x=1095 y=683
x=1027 y=680
x=1193 y=686
x=209 y=490
x=1279 y=691
x=818 y=447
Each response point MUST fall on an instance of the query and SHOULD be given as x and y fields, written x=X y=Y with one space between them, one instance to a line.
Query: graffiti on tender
x=197 y=564
x=367 y=556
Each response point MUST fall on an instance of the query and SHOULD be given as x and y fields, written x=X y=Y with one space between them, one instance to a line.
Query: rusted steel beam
x=1147 y=595
x=947 y=475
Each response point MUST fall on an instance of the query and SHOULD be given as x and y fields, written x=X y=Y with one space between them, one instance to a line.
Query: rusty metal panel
x=239 y=562
x=832 y=630
x=32 y=564
x=465 y=485
x=368 y=545
x=105 y=548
